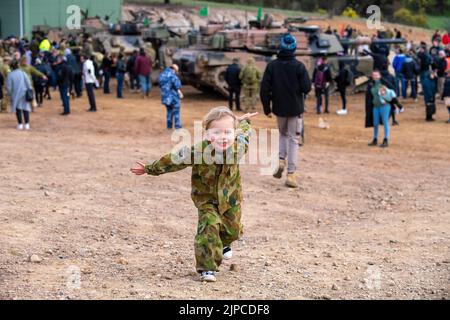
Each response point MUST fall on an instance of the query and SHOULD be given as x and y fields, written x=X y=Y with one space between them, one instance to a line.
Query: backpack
x=416 y=67
x=250 y=76
x=320 y=79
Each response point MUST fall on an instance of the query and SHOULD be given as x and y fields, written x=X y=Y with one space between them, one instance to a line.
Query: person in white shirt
x=89 y=81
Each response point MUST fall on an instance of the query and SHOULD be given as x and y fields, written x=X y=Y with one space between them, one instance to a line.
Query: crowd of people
x=32 y=70
x=69 y=66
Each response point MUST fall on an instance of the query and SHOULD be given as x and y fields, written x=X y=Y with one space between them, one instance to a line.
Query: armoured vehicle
x=204 y=62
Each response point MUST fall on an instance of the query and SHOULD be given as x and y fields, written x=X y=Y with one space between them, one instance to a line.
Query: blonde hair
x=216 y=114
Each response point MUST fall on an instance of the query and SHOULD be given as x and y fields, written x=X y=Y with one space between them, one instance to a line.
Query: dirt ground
x=366 y=223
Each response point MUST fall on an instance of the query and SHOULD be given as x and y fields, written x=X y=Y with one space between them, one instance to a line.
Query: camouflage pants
x=215 y=231
x=4 y=104
x=250 y=98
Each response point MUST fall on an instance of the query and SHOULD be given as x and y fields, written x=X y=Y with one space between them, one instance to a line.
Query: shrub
x=405 y=16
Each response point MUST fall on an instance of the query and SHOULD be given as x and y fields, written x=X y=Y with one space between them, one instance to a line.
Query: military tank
x=204 y=62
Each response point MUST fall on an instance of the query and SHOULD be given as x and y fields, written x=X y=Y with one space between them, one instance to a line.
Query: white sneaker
x=20 y=127
x=27 y=126
x=208 y=276
x=227 y=253
x=342 y=112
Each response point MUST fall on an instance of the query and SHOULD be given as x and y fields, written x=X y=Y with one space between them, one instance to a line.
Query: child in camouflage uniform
x=216 y=185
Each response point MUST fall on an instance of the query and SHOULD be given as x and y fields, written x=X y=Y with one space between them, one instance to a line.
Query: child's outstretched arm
x=171 y=162
x=243 y=133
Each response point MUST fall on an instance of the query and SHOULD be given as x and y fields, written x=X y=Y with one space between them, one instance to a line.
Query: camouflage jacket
x=169 y=84
x=250 y=76
x=212 y=183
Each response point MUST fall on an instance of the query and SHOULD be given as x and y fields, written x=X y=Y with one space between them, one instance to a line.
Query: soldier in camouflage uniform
x=4 y=71
x=216 y=188
x=250 y=77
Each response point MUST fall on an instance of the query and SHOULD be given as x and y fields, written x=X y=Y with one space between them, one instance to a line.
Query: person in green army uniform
x=216 y=185
x=150 y=52
x=4 y=70
x=30 y=70
x=250 y=77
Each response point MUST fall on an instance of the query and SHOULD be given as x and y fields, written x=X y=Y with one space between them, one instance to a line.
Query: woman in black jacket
x=343 y=79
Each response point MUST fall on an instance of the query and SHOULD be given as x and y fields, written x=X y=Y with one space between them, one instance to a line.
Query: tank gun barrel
x=363 y=41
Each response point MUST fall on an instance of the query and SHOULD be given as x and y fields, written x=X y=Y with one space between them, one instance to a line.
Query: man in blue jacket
x=170 y=86
x=397 y=63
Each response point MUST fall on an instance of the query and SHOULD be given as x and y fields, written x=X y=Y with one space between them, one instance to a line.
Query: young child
x=216 y=185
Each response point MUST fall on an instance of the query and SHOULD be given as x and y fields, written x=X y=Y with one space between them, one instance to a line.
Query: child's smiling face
x=221 y=133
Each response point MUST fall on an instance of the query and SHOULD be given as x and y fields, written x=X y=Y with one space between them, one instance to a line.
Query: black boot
x=430 y=110
x=373 y=143
x=384 y=144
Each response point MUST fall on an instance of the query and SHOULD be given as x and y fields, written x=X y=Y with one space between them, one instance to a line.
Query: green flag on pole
x=259 y=16
x=203 y=12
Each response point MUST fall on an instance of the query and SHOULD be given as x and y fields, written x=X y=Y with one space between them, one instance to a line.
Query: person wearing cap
x=284 y=85
x=234 y=84
x=250 y=77
x=170 y=86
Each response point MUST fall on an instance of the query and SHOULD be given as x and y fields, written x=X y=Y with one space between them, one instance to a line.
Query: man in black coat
x=64 y=76
x=284 y=85
x=234 y=84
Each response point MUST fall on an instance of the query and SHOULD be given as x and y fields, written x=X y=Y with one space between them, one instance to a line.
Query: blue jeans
x=120 y=77
x=145 y=83
x=64 y=92
x=381 y=113
x=173 y=113
x=413 y=88
x=399 y=83
x=319 y=93
x=107 y=76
